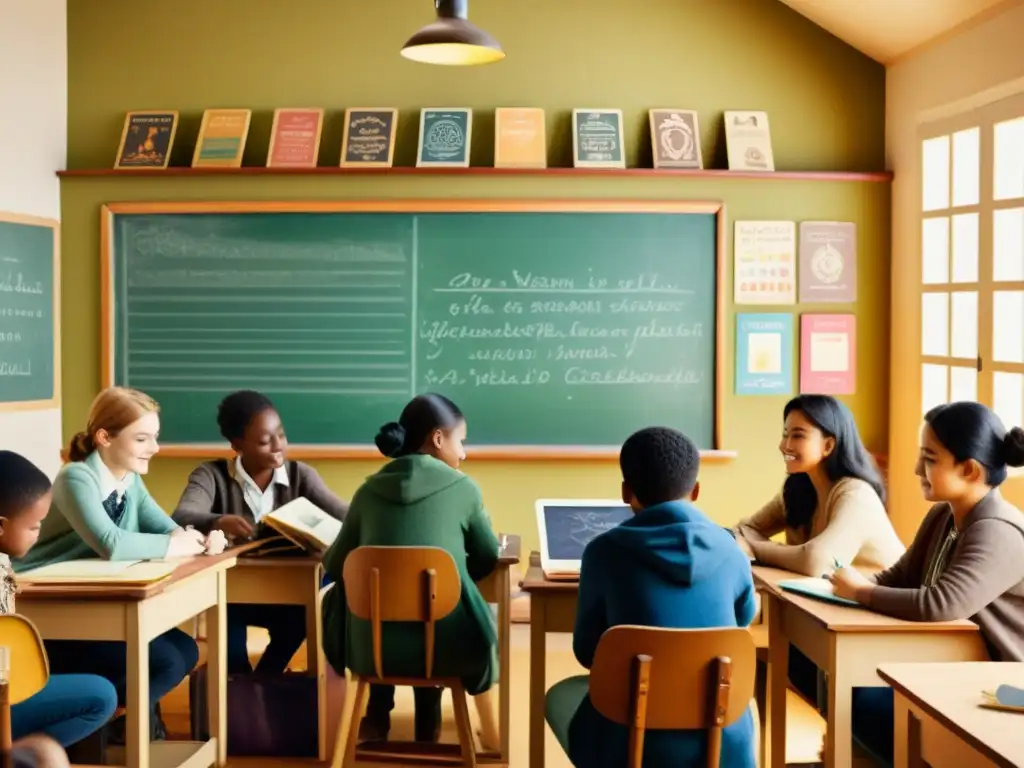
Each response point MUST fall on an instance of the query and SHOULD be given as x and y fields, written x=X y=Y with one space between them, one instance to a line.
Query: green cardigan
x=418 y=500
x=78 y=526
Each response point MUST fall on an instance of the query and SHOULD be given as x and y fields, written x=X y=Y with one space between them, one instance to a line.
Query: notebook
x=566 y=526
x=90 y=571
x=819 y=589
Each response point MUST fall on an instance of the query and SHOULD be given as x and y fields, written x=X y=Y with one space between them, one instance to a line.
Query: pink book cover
x=828 y=354
x=828 y=262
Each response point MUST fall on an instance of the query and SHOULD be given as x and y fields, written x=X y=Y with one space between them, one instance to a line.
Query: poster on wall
x=764 y=254
x=828 y=354
x=764 y=354
x=828 y=262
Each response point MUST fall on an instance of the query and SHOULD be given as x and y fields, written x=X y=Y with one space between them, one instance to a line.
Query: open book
x=820 y=589
x=93 y=570
x=305 y=524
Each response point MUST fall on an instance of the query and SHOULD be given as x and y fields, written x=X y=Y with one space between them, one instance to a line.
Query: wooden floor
x=560 y=664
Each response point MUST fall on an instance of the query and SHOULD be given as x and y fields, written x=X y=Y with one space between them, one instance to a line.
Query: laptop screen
x=569 y=528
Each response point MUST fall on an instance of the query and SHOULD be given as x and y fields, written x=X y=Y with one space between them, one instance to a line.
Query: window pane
x=966 y=166
x=935 y=324
x=935 y=251
x=1008 y=160
x=1008 y=326
x=933 y=386
x=1008 y=397
x=963 y=383
x=964 y=328
x=965 y=248
x=935 y=173
x=1008 y=244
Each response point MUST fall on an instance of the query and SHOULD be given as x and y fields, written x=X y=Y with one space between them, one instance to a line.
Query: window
x=972 y=261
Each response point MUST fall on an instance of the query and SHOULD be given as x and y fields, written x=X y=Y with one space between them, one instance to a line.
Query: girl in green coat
x=420 y=498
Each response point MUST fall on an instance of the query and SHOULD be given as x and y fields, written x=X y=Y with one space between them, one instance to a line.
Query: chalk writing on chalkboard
x=552 y=328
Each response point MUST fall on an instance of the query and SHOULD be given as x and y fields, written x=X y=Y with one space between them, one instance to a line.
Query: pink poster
x=828 y=354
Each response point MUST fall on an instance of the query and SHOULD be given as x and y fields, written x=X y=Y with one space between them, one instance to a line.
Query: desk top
x=951 y=692
x=536 y=581
x=842 y=618
x=513 y=545
x=107 y=591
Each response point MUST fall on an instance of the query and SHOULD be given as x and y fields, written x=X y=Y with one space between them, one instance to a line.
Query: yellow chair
x=406 y=584
x=649 y=678
x=27 y=667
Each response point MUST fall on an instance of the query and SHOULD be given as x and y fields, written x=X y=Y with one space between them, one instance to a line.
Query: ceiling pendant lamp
x=452 y=40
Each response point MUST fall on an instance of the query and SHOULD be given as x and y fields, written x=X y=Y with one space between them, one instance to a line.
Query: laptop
x=566 y=526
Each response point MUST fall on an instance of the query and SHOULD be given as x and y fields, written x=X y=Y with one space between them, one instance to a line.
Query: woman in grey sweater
x=967 y=559
x=234 y=495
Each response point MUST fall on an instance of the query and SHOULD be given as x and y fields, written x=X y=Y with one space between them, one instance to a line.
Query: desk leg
x=765 y=748
x=137 y=689
x=504 y=660
x=316 y=665
x=538 y=678
x=839 y=718
x=216 y=669
x=778 y=681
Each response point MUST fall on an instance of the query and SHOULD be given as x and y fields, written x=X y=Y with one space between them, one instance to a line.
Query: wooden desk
x=135 y=616
x=552 y=609
x=848 y=644
x=938 y=718
x=289 y=581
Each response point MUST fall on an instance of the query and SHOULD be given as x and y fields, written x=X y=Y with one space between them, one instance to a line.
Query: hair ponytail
x=81 y=446
x=1013 y=447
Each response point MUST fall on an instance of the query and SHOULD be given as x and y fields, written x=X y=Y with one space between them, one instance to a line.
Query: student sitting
x=831 y=507
x=235 y=495
x=967 y=559
x=69 y=707
x=669 y=566
x=101 y=508
x=419 y=498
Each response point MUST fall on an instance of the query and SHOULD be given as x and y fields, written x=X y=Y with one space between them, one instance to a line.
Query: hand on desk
x=216 y=542
x=851 y=584
x=186 y=542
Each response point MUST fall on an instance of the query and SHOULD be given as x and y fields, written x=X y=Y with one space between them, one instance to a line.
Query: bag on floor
x=268 y=715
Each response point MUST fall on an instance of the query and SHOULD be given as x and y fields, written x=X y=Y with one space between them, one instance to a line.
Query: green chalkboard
x=29 y=296
x=561 y=326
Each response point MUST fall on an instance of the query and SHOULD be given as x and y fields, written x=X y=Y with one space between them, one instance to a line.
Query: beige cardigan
x=851 y=526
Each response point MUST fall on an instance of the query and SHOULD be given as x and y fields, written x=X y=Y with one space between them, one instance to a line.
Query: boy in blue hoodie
x=668 y=566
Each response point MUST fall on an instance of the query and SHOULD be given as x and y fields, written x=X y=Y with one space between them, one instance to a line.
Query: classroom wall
x=33 y=138
x=929 y=85
x=826 y=103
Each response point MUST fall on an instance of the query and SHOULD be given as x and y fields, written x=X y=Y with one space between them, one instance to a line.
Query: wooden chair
x=407 y=584
x=26 y=668
x=648 y=678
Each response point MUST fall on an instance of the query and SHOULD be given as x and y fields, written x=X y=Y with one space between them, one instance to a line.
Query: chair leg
x=490 y=736
x=358 y=706
x=462 y=725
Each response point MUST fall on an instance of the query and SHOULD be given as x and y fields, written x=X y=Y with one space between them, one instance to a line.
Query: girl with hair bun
x=102 y=509
x=420 y=499
x=967 y=559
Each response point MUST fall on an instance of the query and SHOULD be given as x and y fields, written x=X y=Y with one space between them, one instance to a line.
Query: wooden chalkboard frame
x=54 y=226
x=488 y=452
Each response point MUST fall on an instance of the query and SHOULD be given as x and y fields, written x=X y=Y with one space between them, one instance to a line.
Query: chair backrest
x=410 y=584
x=669 y=679
x=27 y=667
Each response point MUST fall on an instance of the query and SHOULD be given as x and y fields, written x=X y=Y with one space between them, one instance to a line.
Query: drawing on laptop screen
x=570 y=529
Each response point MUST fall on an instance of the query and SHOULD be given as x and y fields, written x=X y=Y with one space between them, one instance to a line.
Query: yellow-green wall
x=826 y=104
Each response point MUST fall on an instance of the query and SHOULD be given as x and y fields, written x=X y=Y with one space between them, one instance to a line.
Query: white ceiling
x=887 y=29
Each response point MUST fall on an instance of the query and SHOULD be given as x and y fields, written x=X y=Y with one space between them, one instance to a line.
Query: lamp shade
x=452 y=40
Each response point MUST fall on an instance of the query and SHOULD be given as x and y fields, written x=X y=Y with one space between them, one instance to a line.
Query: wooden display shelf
x=716 y=173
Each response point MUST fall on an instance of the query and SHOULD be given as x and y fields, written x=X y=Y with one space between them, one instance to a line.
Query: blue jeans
x=172 y=656
x=68 y=709
x=286 y=625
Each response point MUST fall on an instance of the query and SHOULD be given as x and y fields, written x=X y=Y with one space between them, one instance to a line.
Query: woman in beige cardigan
x=831 y=507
